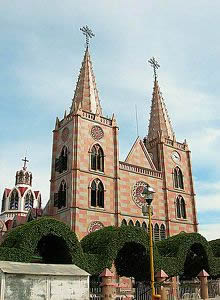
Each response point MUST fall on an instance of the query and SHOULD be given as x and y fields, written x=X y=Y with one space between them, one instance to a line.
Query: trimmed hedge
x=26 y=237
x=175 y=254
x=106 y=244
x=13 y=254
x=126 y=246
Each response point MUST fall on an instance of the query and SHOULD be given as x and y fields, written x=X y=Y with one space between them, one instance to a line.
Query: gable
x=139 y=156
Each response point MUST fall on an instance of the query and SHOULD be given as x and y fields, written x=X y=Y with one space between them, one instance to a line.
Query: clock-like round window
x=94 y=226
x=97 y=132
x=137 y=191
x=176 y=157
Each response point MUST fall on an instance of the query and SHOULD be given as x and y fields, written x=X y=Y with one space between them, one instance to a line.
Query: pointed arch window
x=137 y=224
x=97 y=158
x=97 y=194
x=60 y=197
x=130 y=223
x=144 y=226
x=162 y=232
x=28 y=200
x=61 y=162
x=180 y=207
x=13 y=203
x=124 y=222
x=156 y=233
x=4 y=201
x=178 y=178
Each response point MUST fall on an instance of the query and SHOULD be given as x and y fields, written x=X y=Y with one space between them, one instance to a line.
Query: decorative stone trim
x=96 y=225
x=97 y=133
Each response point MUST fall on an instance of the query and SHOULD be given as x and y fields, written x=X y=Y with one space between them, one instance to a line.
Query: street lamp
x=148 y=194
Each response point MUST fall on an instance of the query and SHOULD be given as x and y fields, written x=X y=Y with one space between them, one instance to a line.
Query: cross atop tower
x=25 y=162
x=154 y=64
x=88 y=33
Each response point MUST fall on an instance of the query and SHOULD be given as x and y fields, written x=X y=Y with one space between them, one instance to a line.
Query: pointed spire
x=159 y=120
x=86 y=93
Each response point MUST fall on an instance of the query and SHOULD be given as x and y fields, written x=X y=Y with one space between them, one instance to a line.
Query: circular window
x=137 y=191
x=97 y=132
x=96 y=225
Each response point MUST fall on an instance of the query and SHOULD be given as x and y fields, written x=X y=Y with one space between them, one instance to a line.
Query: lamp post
x=148 y=194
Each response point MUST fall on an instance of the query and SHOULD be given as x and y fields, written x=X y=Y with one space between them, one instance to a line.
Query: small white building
x=21 y=198
x=22 y=281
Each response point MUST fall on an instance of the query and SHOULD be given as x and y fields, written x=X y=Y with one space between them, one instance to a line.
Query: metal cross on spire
x=25 y=162
x=88 y=33
x=154 y=64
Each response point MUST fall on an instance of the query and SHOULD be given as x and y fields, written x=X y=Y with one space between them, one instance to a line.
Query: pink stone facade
x=149 y=161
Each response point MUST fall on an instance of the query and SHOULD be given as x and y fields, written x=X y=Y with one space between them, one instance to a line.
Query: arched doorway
x=53 y=249
x=133 y=261
x=196 y=260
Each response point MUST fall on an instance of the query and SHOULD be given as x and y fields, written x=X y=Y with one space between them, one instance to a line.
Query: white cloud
x=210 y=231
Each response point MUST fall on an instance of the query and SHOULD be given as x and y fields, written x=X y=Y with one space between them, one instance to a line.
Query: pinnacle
x=86 y=93
x=159 y=119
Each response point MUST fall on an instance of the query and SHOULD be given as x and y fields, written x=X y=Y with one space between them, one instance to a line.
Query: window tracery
x=60 y=197
x=13 y=203
x=97 y=158
x=97 y=194
x=162 y=232
x=61 y=162
x=178 y=178
x=29 y=200
x=156 y=232
x=180 y=207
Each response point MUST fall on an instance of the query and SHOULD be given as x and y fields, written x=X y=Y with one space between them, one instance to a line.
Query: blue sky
x=40 y=57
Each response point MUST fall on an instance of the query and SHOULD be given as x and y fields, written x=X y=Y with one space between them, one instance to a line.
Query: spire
x=86 y=94
x=159 y=119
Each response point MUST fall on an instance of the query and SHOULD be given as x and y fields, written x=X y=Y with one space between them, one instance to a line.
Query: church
x=91 y=188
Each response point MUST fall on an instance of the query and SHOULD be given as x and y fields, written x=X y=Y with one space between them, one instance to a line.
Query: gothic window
x=13 y=203
x=156 y=232
x=29 y=200
x=183 y=208
x=97 y=194
x=162 y=232
x=144 y=226
x=130 y=223
x=61 y=162
x=124 y=222
x=97 y=158
x=180 y=208
x=3 y=202
x=137 y=224
x=178 y=178
x=60 y=197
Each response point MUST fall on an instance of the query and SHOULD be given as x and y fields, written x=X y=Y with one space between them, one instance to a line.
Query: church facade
x=19 y=202
x=91 y=188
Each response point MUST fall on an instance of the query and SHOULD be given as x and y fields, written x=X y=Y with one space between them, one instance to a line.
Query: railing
x=214 y=288
x=88 y=115
x=139 y=170
x=106 y=121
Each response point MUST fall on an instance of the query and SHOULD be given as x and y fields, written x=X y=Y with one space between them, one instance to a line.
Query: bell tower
x=84 y=174
x=172 y=158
